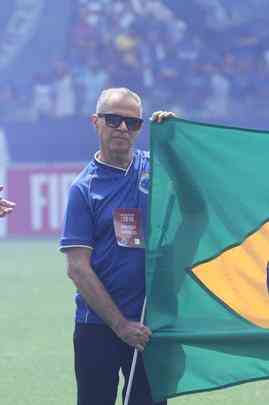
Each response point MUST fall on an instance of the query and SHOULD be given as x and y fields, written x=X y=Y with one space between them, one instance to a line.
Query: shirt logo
x=144 y=183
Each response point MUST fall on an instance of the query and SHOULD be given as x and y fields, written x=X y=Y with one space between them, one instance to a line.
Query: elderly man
x=6 y=207
x=103 y=239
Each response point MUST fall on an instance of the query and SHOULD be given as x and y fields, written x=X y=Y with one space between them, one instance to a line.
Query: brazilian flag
x=207 y=258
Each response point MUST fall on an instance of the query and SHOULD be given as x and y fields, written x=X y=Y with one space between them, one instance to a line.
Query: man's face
x=121 y=139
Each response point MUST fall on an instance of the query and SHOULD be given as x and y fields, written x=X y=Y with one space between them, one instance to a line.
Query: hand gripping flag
x=207 y=257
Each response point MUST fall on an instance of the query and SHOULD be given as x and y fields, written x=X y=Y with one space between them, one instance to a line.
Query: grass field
x=36 y=318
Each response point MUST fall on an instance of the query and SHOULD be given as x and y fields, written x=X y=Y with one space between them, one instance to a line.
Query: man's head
x=117 y=120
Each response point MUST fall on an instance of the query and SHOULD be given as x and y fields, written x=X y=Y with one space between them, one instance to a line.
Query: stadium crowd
x=202 y=59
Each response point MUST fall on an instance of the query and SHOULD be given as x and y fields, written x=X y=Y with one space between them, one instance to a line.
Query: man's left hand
x=160 y=116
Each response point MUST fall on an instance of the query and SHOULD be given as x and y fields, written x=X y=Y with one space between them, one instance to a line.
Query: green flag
x=207 y=258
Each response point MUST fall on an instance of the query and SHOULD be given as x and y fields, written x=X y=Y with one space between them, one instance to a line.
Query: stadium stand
x=207 y=60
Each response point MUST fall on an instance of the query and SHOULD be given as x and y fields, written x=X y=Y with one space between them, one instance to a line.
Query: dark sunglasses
x=115 y=120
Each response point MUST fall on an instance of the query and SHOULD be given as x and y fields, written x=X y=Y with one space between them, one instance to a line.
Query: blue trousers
x=99 y=355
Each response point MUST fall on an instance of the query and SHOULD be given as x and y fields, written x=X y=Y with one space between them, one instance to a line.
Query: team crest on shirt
x=144 y=183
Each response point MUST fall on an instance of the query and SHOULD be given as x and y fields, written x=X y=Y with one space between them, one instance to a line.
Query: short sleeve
x=78 y=221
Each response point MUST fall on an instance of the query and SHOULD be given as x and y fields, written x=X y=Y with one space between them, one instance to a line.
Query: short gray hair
x=104 y=96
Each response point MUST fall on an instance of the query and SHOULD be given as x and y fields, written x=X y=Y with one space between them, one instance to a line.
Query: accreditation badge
x=128 y=227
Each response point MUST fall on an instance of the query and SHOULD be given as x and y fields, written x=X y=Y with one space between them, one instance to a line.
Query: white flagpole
x=131 y=376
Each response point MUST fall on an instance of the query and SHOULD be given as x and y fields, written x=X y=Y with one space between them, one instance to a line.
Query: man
x=6 y=207
x=103 y=239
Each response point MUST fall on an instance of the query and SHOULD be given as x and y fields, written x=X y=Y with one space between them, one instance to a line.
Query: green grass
x=36 y=318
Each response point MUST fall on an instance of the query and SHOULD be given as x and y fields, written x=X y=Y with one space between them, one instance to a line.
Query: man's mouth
x=121 y=137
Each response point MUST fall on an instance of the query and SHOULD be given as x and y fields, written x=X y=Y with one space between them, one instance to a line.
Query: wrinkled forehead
x=122 y=104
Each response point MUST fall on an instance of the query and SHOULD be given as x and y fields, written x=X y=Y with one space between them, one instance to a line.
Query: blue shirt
x=94 y=195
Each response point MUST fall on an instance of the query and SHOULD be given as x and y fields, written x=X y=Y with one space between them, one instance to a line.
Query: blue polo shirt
x=96 y=193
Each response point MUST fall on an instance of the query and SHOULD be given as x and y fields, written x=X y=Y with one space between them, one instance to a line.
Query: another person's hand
x=160 y=116
x=6 y=207
x=134 y=334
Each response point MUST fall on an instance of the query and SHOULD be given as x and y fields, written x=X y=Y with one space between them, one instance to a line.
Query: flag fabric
x=207 y=254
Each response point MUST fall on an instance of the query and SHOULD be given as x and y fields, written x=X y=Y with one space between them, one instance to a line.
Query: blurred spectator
x=8 y=103
x=89 y=80
x=43 y=102
x=63 y=91
x=218 y=102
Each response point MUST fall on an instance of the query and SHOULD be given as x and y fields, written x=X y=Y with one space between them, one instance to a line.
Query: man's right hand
x=133 y=333
x=6 y=207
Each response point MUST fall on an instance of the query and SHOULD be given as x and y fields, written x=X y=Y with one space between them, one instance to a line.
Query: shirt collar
x=101 y=162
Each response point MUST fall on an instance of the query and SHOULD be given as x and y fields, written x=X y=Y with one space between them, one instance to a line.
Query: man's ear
x=93 y=119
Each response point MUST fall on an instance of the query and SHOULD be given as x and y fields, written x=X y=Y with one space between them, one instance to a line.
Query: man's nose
x=123 y=126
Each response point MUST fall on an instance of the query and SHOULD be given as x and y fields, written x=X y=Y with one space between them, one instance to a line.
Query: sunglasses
x=115 y=120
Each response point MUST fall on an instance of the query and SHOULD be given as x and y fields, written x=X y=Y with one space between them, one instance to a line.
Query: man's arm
x=99 y=300
x=6 y=207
